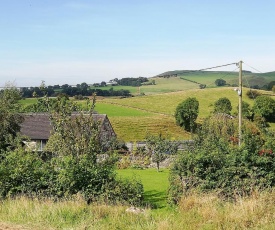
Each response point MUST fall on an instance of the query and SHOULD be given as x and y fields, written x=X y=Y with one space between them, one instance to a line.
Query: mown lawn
x=155 y=184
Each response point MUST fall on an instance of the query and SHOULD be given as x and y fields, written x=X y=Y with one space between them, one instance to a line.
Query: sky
x=75 y=41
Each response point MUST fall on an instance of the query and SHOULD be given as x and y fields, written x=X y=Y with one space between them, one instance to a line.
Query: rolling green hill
x=179 y=80
x=132 y=118
x=159 y=111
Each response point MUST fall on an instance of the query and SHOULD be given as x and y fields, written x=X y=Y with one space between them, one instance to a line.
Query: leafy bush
x=220 y=82
x=252 y=94
x=223 y=105
x=128 y=191
x=24 y=173
x=265 y=107
x=217 y=164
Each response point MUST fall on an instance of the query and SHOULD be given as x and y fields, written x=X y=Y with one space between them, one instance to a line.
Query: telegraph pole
x=240 y=102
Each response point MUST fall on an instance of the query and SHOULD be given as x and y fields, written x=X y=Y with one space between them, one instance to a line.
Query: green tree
x=220 y=82
x=223 y=105
x=85 y=161
x=187 y=113
x=271 y=85
x=159 y=148
x=10 y=119
x=264 y=106
x=247 y=111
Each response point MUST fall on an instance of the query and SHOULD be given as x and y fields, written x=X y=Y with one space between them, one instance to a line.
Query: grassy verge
x=196 y=211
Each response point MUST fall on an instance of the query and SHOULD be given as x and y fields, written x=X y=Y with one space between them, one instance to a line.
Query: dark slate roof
x=37 y=126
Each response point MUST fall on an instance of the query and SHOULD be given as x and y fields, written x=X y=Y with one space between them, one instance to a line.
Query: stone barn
x=37 y=126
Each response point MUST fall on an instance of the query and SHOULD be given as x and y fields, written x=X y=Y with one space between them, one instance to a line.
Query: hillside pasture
x=209 y=77
x=167 y=103
x=136 y=128
x=232 y=78
x=135 y=117
x=161 y=108
x=166 y=85
x=163 y=85
x=113 y=110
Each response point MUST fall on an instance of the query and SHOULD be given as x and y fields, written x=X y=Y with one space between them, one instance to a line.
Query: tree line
x=80 y=89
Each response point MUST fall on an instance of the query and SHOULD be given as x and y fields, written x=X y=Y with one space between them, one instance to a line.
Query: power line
x=219 y=66
x=214 y=67
x=253 y=68
x=229 y=72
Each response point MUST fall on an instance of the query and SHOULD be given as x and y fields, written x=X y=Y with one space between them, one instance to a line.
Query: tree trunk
x=158 y=166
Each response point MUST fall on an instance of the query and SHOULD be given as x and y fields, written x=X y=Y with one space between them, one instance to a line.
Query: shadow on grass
x=155 y=199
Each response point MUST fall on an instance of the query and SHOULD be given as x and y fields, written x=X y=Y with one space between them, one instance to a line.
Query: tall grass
x=195 y=211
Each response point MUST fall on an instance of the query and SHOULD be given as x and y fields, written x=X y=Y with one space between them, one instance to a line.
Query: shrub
x=129 y=191
x=252 y=94
x=217 y=164
x=264 y=106
x=223 y=105
x=24 y=173
x=220 y=82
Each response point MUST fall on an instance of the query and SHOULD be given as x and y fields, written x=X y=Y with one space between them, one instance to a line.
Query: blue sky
x=69 y=41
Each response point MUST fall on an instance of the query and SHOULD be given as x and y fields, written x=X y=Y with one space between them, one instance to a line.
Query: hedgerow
x=217 y=163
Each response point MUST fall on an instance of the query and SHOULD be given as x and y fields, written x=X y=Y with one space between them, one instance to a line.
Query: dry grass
x=196 y=211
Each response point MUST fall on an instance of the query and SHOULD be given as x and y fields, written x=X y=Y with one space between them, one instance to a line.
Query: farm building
x=37 y=126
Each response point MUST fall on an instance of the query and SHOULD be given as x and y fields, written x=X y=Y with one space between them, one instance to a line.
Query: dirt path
x=6 y=226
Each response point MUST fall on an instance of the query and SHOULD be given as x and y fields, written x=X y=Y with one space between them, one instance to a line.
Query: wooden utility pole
x=240 y=102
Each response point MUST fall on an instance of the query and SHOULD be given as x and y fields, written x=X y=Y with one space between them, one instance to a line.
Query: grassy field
x=163 y=85
x=162 y=108
x=27 y=101
x=132 y=118
x=114 y=110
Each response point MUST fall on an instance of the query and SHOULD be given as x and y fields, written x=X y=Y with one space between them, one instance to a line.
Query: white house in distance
x=112 y=82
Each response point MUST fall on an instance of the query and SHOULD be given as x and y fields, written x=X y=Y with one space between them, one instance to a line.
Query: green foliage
x=10 y=120
x=159 y=148
x=187 y=113
x=73 y=163
x=215 y=163
x=82 y=175
x=223 y=105
x=46 y=104
x=252 y=94
x=264 y=106
x=271 y=85
x=220 y=82
x=247 y=111
x=24 y=172
x=125 y=189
